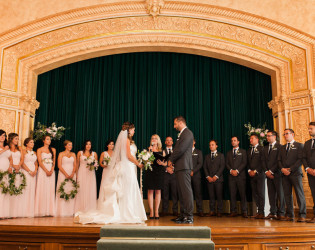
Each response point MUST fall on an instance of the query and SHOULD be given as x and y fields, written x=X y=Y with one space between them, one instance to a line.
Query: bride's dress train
x=120 y=199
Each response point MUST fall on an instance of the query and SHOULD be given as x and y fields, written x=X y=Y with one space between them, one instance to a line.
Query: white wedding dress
x=120 y=199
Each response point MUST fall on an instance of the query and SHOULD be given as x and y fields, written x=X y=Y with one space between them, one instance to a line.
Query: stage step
x=151 y=238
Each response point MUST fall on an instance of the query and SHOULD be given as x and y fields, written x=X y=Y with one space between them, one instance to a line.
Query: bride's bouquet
x=146 y=158
x=91 y=163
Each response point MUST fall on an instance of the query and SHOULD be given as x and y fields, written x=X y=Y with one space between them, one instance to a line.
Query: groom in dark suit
x=181 y=163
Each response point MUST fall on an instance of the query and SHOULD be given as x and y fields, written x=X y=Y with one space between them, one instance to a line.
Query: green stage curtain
x=94 y=97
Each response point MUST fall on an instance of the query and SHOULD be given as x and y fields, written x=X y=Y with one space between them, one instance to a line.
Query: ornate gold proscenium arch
x=284 y=53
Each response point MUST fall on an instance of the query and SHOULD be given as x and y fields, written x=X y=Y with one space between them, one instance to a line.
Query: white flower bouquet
x=146 y=158
x=91 y=163
x=47 y=161
x=106 y=160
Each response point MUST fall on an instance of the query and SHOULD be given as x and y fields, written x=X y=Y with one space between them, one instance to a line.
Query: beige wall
x=299 y=14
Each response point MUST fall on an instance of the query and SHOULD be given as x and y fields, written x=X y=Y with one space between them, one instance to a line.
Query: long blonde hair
x=159 y=143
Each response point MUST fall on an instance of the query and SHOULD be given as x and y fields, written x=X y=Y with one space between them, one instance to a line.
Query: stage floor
x=225 y=232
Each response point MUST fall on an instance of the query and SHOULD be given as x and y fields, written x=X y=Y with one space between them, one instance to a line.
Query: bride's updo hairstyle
x=127 y=126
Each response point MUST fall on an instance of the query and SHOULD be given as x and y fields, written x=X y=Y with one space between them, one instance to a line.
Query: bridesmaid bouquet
x=91 y=163
x=14 y=183
x=17 y=183
x=106 y=160
x=47 y=161
x=4 y=182
x=146 y=158
x=68 y=189
x=53 y=131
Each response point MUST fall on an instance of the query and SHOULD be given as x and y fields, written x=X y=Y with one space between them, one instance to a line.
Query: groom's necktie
x=169 y=151
x=212 y=156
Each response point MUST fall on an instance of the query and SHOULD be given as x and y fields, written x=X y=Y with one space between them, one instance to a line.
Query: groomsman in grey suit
x=180 y=162
x=309 y=163
x=290 y=164
x=195 y=174
x=274 y=178
x=255 y=156
x=214 y=166
x=169 y=186
x=236 y=161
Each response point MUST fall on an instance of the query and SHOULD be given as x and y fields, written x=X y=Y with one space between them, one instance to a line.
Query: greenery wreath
x=72 y=194
x=13 y=190
x=3 y=185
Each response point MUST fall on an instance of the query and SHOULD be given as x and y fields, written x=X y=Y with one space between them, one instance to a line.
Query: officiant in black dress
x=154 y=178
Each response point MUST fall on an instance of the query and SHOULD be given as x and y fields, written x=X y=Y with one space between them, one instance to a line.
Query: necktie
x=234 y=153
x=313 y=145
x=212 y=156
x=288 y=147
x=253 y=148
x=169 y=151
x=270 y=148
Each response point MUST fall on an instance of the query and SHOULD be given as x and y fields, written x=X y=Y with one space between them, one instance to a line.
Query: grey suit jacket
x=215 y=166
x=308 y=155
x=293 y=159
x=238 y=163
x=256 y=160
x=271 y=159
x=197 y=158
x=182 y=156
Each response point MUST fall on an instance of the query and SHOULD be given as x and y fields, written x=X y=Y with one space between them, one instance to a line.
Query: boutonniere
x=292 y=146
x=178 y=135
x=215 y=155
x=274 y=148
x=256 y=150
x=238 y=152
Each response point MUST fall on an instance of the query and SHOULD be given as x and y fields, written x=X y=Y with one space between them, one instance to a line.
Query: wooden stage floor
x=227 y=233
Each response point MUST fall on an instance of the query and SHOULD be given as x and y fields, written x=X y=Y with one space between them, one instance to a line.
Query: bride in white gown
x=120 y=199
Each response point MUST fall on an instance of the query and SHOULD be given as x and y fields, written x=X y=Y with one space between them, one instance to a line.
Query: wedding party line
x=28 y=179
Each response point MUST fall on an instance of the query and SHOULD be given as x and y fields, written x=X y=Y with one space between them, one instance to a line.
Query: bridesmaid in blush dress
x=16 y=202
x=6 y=163
x=30 y=167
x=67 y=170
x=45 y=185
x=86 y=197
x=110 y=144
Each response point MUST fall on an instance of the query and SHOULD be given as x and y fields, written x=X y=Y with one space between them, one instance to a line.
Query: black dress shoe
x=186 y=220
x=157 y=218
x=151 y=218
x=177 y=219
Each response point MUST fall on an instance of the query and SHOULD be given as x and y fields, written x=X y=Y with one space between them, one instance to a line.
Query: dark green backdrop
x=94 y=97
